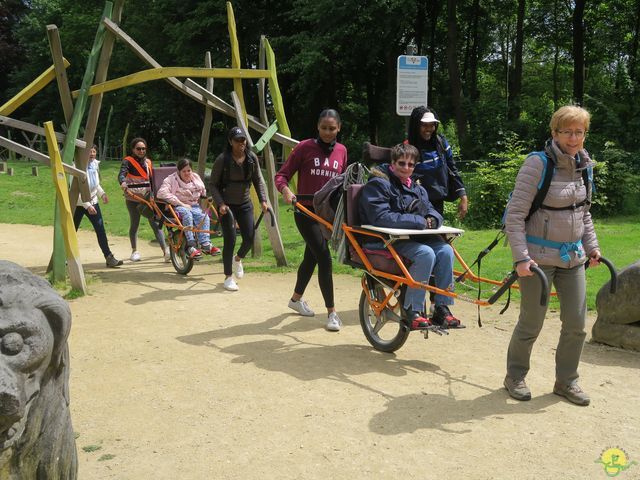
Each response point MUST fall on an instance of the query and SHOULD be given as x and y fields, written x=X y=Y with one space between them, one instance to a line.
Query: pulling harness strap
x=564 y=247
x=573 y=206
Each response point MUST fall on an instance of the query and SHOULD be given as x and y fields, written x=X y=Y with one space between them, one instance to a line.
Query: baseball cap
x=236 y=132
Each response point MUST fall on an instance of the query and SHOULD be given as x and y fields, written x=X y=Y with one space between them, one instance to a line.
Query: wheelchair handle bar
x=513 y=276
x=612 y=272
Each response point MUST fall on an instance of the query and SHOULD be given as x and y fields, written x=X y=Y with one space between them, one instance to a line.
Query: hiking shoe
x=113 y=262
x=302 y=307
x=167 y=255
x=135 y=256
x=517 y=388
x=238 y=270
x=193 y=252
x=230 y=284
x=333 y=322
x=443 y=317
x=573 y=393
x=415 y=321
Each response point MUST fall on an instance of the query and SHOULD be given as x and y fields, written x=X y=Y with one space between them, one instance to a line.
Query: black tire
x=386 y=333
x=178 y=252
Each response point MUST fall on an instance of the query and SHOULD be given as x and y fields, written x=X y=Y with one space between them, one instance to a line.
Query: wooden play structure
x=73 y=158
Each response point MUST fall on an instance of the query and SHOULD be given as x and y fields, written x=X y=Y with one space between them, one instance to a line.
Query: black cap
x=236 y=132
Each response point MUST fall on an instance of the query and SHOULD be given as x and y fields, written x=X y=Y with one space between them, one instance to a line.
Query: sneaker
x=302 y=307
x=135 y=256
x=573 y=393
x=193 y=252
x=238 y=270
x=167 y=255
x=443 y=317
x=230 y=284
x=214 y=250
x=333 y=322
x=113 y=262
x=517 y=388
x=206 y=248
x=416 y=321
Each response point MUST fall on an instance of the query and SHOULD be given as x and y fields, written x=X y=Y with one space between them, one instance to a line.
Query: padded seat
x=379 y=259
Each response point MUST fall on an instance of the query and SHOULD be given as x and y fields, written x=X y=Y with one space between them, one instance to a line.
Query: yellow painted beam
x=166 y=72
x=30 y=90
x=276 y=97
x=76 y=274
x=235 y=59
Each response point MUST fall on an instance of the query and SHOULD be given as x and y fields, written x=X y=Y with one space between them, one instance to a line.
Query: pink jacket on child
x=177 y=192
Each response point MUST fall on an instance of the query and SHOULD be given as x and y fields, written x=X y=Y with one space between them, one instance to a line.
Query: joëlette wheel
x=386 y=332
x=179 y=258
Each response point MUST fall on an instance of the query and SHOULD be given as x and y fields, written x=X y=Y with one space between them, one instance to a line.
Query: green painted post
x=81 y=102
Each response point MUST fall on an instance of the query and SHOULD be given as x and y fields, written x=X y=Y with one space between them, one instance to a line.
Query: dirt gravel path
x=174 y=378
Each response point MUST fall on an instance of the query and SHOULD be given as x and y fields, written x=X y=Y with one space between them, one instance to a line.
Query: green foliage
x=617 y=178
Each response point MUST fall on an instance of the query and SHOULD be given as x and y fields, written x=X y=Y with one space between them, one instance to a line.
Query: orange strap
x=143 y=174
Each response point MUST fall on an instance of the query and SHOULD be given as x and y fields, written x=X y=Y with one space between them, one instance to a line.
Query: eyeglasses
x=140 y=148
x=570 y=133
x=402 y=164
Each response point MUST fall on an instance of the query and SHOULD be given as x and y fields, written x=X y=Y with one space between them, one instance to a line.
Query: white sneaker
x=135 y=256
x=167 y=255
x=230 y=284
x=333 y=322
x=238 y=270
x=301 y=307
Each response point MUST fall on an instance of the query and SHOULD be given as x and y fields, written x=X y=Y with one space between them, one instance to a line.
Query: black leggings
x=134 y=219
x=244 y=217
x=316 y=252
x=98 y=225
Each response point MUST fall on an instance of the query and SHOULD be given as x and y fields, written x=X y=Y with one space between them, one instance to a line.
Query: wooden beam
x=227 y=109
x=61 y=73
x=191 y=88
x=29 y=127
x=30 y=90
x=206 y=126
x=82 y=157
x=269 y=160
x=263 y=141
x=74 y=266
x=39 y=157
x=276 y=97
x=235 y=60
x=165 y=72
x=87 y=79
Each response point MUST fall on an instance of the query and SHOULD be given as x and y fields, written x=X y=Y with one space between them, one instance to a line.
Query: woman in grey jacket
x=559 y=238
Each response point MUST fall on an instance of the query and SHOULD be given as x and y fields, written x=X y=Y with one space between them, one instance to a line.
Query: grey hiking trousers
x=571 y=287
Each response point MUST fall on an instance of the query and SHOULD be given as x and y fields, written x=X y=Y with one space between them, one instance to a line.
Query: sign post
x=412 y=81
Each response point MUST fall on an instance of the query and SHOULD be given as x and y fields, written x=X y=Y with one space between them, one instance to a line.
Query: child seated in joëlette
x=183 y=190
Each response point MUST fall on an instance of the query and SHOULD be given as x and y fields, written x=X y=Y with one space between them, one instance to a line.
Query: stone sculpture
x=36 y=437
x=618 y=321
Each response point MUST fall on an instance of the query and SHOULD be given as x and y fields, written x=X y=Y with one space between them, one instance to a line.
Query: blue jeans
x=433 y=255
x=193 y=217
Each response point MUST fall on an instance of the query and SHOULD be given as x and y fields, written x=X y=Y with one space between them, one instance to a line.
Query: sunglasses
x=403 y=164
x=140 y=148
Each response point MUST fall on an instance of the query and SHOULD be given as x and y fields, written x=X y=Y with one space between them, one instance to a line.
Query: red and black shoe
x=443 y=318
x=415 y=321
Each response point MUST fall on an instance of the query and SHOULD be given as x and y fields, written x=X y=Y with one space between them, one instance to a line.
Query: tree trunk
x=633 y=55
x=454 y=75
x=433 y=12
x=516 y=76
x=578 y=52
x=474 y=94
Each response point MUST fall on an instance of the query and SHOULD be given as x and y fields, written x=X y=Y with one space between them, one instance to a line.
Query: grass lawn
x=27 y=199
